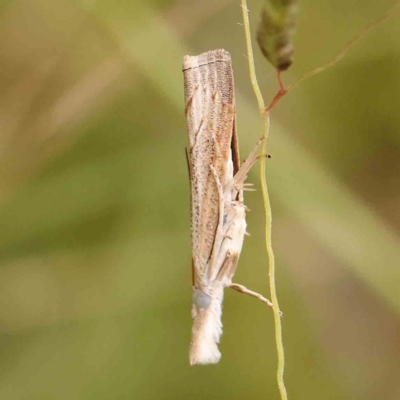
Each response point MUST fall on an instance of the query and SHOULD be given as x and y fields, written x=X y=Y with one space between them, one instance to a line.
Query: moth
x=218 y=214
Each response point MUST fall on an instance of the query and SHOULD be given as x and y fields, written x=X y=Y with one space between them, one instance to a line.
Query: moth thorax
x=200 y=299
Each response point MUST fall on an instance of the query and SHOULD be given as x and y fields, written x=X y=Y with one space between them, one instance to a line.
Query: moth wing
x=210 y=112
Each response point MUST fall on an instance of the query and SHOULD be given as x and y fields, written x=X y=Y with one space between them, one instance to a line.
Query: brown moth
x=216 y=182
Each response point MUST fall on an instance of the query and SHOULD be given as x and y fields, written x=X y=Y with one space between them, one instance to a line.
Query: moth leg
x=228 y=268
x=244 y=169
x=248 y=187
x=219 y=235
x=243 y=289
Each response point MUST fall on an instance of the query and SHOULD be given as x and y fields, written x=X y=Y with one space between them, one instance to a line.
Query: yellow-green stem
x=267 y=207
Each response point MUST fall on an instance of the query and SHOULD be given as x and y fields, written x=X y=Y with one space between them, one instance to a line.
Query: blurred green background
x=95 y=290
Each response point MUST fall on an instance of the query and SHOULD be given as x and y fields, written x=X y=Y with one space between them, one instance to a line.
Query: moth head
x=201 y=299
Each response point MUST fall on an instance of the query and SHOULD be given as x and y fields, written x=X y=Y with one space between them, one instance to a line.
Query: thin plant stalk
x=374 y=24
x=267 y=206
